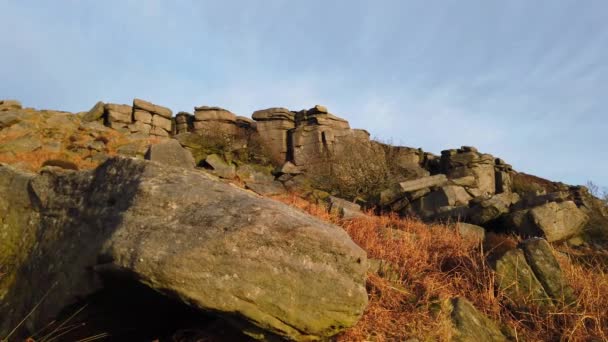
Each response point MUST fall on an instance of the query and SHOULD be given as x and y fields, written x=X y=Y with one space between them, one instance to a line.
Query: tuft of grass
x=434 y=263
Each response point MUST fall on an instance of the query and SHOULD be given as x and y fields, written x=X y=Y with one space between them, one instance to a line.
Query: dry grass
x=434 y=263
x=74 y=148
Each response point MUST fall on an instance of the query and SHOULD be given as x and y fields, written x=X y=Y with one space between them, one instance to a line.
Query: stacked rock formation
x=143 y=118
x=151 y=119
x=273 y=126
x=468 y=162
x=184 y=122
x=214 y=120
x=118 y=117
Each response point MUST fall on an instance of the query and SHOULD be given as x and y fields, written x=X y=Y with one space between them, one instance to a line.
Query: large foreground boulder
x=266 y=267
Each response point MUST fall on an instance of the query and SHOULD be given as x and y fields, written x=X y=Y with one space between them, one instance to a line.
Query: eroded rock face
x=267 y=267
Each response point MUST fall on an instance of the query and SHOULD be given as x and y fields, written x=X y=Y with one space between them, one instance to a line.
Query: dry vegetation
x=434 y=263
x=73 y=149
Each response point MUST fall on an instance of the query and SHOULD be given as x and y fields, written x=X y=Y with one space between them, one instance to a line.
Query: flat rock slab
x=425 y=182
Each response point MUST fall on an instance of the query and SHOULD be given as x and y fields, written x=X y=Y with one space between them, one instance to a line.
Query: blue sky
x=524 y=80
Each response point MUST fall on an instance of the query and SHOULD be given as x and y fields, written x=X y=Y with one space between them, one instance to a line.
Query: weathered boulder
x=492 y=208
x=259 y=180
x=170 y=152
x=220 y=167
x=257 y=262
x=470 y=325
x=289 y=169
x=518 y=282
x=546 y=268
x=471 y=232
x=443 y=199
x=344 y=209
x=558 y=221
x=555 y=221
x=95 y=113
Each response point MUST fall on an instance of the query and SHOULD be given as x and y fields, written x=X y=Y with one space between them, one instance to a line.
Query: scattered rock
x=220 y=167
x=470 y=325
x=471 y=232
x=344 y=209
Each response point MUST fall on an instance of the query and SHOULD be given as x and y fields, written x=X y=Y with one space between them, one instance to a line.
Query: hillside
x=127 y=222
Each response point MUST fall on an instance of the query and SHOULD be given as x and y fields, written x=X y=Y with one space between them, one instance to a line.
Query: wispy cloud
x=522 y=80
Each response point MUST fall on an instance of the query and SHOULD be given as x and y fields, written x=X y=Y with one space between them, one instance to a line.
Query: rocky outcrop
x=210 y=120
x=184 y=123
x=467 y=161
x=317 y=136
x=152 y=119
x=274 y=126
x=118 y=116
x=6 y=105
x=96 y=113
x=266 y=267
